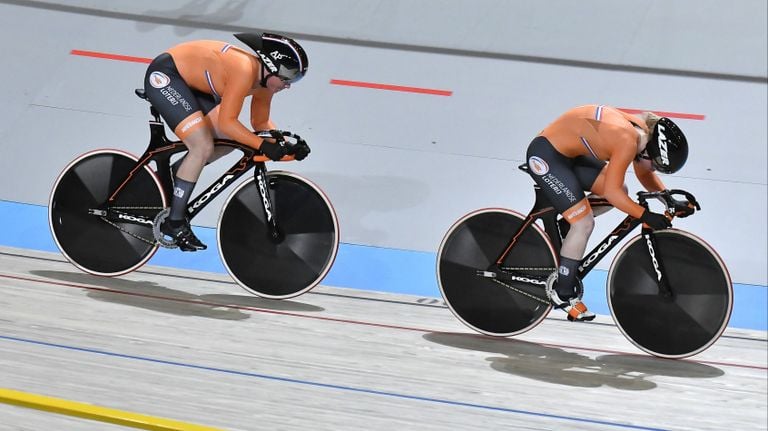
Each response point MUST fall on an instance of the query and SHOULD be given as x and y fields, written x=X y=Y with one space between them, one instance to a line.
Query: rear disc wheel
x=87 y=240
x=473 y=244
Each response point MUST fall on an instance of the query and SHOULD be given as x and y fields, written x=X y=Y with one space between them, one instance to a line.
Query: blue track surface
x=357 y=266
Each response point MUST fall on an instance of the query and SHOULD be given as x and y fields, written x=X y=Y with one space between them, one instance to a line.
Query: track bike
x=669 y=292
x=277 y=232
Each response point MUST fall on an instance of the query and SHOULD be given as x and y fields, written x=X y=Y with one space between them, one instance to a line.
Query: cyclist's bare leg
x=575 y=243
x=198 y=139
x=200 y=149
x=218 y=152
x=582 y=222
x=210 y=119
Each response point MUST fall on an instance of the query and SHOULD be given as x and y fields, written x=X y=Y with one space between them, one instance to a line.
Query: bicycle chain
x=514 y=289
x=121 y=229
x=522 y=268
x=138 y=208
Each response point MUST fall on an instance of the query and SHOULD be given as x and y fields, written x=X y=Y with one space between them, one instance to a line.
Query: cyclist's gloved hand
x=654 y=220
x=682 y=208
x=275 y=151
x=301 y=149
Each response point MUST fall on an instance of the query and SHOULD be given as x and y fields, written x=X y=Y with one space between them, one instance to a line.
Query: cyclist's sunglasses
x=289 y=75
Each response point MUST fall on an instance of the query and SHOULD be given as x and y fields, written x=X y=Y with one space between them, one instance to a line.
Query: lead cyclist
x=590 y=148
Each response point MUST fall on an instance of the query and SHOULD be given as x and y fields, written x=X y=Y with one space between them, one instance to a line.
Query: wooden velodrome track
x=195 y=348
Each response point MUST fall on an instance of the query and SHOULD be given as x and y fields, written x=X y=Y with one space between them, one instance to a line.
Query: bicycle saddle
x=141 y=93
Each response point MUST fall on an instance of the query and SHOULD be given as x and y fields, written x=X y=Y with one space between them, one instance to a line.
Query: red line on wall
x=372 y=85
x=665 y=114
x=391 y=87
x=110 y=56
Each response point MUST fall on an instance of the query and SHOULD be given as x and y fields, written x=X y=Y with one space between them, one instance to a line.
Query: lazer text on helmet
x=663 y=146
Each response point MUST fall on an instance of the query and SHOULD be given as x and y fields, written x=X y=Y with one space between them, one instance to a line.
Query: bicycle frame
x=161 y=149
x=544 y=211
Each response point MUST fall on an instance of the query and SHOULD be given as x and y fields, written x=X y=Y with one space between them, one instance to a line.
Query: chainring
x=159 y=236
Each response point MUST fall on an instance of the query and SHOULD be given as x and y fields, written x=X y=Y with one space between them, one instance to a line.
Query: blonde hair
x=651 y=119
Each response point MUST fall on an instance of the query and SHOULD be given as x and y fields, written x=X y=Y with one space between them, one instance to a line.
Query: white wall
x=708 y=36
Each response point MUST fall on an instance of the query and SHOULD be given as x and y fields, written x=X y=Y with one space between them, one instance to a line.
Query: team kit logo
x=159 y=79
x=277 y=55
x=538 y=165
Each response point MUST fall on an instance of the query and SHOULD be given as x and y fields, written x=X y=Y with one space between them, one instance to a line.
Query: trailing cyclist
x=199 y=88
x=590 y=148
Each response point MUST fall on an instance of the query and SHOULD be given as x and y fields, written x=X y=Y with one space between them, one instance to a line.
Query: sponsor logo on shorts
x=159 y=79
x=191 y=123
x=538 y=165
x=174 y=98
x=558 y=187
x=575 y=212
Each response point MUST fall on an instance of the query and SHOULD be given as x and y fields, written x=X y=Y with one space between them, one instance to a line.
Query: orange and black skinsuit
x=568 y=156
x=205 y=83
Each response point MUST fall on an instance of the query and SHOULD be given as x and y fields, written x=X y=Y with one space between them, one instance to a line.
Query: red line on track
x=665 y=114
x=389 y=87
x=107 y=56
x=353 y=322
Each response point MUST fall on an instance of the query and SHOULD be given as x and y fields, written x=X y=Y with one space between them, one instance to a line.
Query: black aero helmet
x=279 y=55
x=667 y=149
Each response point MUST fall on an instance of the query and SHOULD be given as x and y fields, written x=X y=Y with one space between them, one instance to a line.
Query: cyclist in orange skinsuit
x=199 y=88
x=590 y=148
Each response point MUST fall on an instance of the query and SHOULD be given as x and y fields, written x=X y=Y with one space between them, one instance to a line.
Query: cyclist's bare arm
x=231 y=104
x=261 y=102
x=615 y=171
x=647 y=177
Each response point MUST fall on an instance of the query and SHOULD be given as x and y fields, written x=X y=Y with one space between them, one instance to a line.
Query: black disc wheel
x=473 y=244
x=302 y=254
x=687 y=320
x=91 y=240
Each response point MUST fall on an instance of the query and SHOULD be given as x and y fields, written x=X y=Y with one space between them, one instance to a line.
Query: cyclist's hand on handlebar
x=301 y=150
x=274 y=150
x=682 y=209
x=655 y=220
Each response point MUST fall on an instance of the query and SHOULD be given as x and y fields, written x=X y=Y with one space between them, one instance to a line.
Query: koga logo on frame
x=210 y=193
x=134 y=219
x=263 y=193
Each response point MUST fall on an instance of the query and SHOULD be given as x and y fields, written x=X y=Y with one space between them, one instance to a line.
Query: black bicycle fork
x=262 y=183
